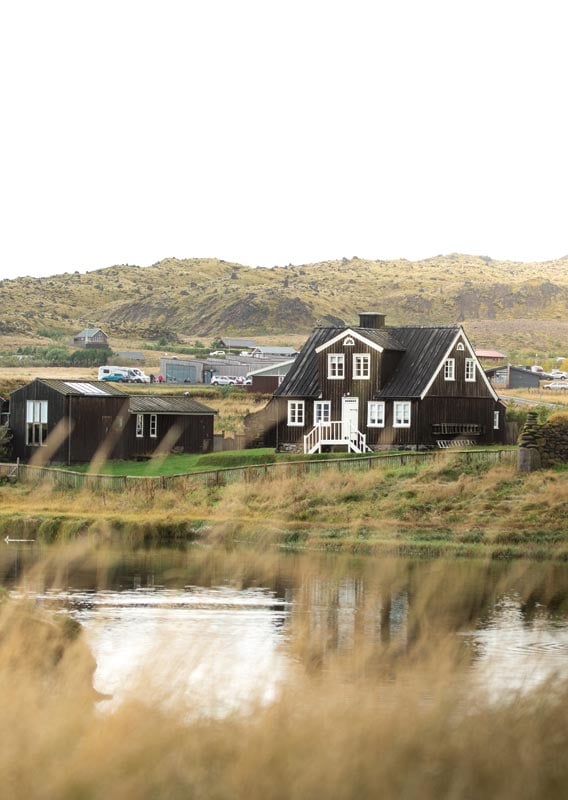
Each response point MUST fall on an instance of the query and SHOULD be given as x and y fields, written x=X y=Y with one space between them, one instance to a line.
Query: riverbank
x=447 y=508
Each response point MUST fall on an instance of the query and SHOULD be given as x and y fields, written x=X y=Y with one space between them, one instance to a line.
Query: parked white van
x=131 y=374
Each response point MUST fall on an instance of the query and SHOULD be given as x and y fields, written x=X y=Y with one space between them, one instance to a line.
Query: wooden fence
x=221 y=477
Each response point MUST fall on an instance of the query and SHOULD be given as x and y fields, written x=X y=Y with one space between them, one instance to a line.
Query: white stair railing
x=334 y=432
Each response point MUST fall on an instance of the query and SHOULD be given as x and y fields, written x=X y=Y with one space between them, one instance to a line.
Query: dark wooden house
x=56 y=421
x=91 y=337
x=373 y=387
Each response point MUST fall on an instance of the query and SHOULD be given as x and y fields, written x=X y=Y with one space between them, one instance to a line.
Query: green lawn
x=195 y=462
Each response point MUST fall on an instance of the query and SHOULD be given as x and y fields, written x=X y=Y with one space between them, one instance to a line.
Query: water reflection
x=218 y=631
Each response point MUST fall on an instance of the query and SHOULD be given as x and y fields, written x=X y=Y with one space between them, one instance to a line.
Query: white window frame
x=361 y=366
x=322 y=411
x=36 y=423
x=470 y=370
x=401 y=414
x=460 y=346
x=496 y=420
x=139 y=426
x=153 y=426
x=450 y=369
x=335 y=366
x=296 y=413
x=376 y=414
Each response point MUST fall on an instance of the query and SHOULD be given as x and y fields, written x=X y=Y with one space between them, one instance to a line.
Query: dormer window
x=361 y=366
x=335 y=366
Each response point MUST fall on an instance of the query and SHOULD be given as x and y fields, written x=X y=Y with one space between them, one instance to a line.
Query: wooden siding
x=264 y=384
x=459 y=387
x=191 y=433
x=335 y=389
x=273 y=422
x=101 y=422
x=472 y=410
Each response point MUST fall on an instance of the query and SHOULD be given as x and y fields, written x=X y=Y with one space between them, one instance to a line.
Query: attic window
x=335 y=366
x=460 y=346
x=349 y=341
x=450 y=369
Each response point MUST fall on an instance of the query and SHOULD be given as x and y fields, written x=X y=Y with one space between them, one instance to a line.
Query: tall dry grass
x=379 y=718
x=449 y=504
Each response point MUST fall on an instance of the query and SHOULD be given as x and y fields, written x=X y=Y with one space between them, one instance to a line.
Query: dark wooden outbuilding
x=509 y=377
x=56 y=421
x=268 y=379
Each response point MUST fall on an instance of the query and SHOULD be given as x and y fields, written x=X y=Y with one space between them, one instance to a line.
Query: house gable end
x=349 y=332
x=460 y=338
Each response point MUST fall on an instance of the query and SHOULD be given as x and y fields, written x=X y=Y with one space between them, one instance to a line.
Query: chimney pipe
x=371 y=319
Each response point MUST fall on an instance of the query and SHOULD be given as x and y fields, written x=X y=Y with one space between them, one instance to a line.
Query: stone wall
x=543 y=444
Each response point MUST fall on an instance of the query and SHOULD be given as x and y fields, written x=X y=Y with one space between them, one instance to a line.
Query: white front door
x=350 y=417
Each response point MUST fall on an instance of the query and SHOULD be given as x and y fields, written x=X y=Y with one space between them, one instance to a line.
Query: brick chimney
x=371 y=319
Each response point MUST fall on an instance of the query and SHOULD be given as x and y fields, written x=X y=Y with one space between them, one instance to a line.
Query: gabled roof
x=275 y=351
x=377 y=338
x=425 y=349
x=229 y=341
x=302 y=380
x=273 y=369
x=88 y=333
x=167 y=404
x=80 y=388
x=481 y=353
x=422 y=348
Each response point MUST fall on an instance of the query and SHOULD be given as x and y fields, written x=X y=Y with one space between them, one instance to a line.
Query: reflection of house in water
x=343 y=612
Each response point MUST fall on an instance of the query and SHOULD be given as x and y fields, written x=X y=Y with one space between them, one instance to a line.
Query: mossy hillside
x=204 y=298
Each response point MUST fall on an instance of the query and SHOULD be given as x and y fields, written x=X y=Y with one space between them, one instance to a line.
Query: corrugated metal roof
x=229 y=341
x=167 y=404
x=282 y=351
x=73 y=388
x=88 y=333
x=481 y=353
x=302 y=380
x=423 y=349
x=281 y=368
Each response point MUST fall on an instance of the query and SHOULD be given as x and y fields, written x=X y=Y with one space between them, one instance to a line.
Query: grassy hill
x=504 y=304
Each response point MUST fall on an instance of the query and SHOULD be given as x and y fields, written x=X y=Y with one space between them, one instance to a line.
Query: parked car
x=115 y=377
x=217 y=353
x=558 y=375
x=222 y=380
x=556 y=386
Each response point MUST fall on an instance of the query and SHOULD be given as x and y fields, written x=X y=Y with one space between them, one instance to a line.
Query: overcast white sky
x=272 y=131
